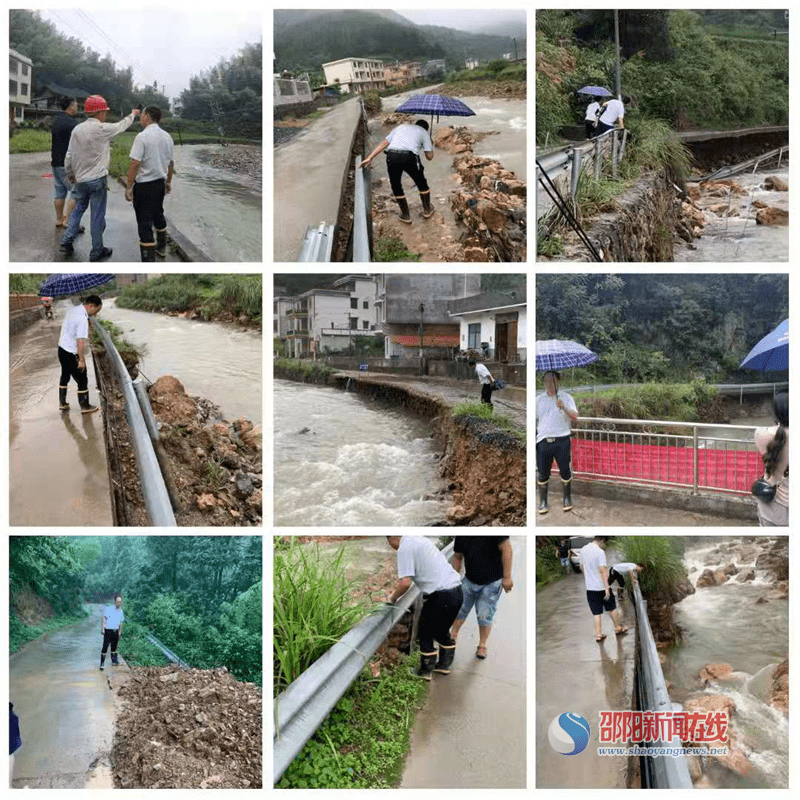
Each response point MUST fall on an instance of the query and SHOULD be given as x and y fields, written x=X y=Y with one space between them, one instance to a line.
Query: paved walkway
x=34 y=236
x=576 y=674
x=471 y=733
x=58 y=472
x=65 y=709
x=309 y=174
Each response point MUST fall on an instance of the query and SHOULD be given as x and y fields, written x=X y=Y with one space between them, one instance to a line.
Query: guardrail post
x=695 y=456
x=576 y=171
x=614 y=154
x=597 y=159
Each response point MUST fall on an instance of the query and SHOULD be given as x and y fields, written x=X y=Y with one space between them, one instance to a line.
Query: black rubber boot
x=161 y=243
x=102 y=660
x=405 y=215
x=114 y=661
x=427 y=208
x=447 y=652
x=567 y=485
x=426 y=664
x=543 y=509
x=86 y=406
x=148 y=251
x=63 y=405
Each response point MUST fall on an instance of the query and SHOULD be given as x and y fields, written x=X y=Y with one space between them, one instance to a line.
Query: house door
x=512 y=341
x=501 y=344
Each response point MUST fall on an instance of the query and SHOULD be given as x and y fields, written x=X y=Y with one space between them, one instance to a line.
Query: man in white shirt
x=403 y=146
x=71 y=355
x=419 y=561
x=86 y=165
x=486 y=381
x=555 y=413
x=111 y=628
x=149 y=180
x=613 y=110
x=598 y=592
x=592 y=111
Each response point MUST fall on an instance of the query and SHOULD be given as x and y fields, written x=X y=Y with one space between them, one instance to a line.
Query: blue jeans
x=61 y=186
x=90 y=192
x=484 y=598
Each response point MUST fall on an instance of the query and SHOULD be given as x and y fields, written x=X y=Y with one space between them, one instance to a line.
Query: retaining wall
x=21 y=318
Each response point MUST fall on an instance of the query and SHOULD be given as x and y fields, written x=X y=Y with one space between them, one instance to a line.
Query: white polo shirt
x=591 y=111
x=484 y=376
x=592 y=558
x=614 y=110
x=418 y=558
x=74 y=327
x=409 y=137
x=114 y=617
x=154 y=149
x=89 y=151
x=550 y=419
x=624 y=567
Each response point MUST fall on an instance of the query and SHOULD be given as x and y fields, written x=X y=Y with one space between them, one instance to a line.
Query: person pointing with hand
x=555 y=413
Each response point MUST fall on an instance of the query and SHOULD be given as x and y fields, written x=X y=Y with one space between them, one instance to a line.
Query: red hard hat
x=95 y=103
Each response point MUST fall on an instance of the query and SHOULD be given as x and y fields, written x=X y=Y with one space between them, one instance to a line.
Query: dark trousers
x=110 y=638
x=616 y=577
x=558 y=449
x=69 y=369
x=602 y=127
x=591 y=130
x=486 y=394
x=439 y=612
x=400 y=161
x=148 y=203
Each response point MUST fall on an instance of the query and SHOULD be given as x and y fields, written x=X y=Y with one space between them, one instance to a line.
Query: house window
x=353 y=323
x=24 y=88
x=354 y=303
x=474 y=336
x=366 y=304
x=12 y=87
x=365 y=323
x=24 y=69
x=12 y=66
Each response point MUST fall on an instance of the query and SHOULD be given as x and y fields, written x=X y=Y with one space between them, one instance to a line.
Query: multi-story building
x=355 y=74
x=402 y=74
x=413 y=311
x=434 y=67
x=495 y=323
x=20 y=80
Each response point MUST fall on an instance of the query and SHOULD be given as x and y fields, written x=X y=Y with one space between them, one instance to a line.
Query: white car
x=575 y=545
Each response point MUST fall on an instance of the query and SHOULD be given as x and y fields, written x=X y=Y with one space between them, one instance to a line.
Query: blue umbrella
x=559 y=354
x=435 y=104
x=598 y=91
x=72 y=283
x=771 y=354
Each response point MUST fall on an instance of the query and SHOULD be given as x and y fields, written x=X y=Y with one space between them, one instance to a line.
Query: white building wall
x=486 y=321
x=522 y=331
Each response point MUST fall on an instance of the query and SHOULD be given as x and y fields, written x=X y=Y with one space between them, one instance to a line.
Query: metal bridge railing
x=154 y=490
x=305 y=704
x=687 y=455
x=669 y=772
x=730 y=389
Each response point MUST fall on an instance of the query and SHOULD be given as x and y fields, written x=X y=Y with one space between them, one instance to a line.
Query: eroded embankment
x=484 y=464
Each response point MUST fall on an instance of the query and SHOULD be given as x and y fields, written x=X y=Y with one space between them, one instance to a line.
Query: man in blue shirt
x=60 y=132
x=111 y=627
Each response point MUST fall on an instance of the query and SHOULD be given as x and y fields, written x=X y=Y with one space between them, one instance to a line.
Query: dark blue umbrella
x=771 y=354
x=560 y=354
x=72 y=283
x=435 y=104
x=598 y=91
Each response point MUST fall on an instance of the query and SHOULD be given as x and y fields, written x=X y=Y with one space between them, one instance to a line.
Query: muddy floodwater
x=218 y=210
x=215 y=360
x=65 y=709
x=360 y=461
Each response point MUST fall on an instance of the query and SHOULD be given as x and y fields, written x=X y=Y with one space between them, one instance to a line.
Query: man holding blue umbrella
x=403 y=146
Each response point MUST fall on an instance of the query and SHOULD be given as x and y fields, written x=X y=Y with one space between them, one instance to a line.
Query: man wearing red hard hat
x=86 y=164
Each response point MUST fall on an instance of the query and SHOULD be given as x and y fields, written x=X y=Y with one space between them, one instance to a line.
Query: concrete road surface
x=574 y=673
x=471 y=732
x=57 y=461
x=33 y=232
x=309 y=174
x=65 y=708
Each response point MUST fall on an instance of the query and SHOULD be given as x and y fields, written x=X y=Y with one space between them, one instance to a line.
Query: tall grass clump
x=241 y=294
x=654 y=145
x=312 y=608
x=662 y=560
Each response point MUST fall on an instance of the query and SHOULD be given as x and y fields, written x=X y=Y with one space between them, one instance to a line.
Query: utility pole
x=616 y=39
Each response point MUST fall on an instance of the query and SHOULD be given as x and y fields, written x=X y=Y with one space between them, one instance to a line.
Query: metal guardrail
x=154 y=490
x=669 y=772
x=731 y=389
x=305 y=704
x=651 y=472
x=726 y=172
x=168 y=653
x=361 y=249
x=317 y=243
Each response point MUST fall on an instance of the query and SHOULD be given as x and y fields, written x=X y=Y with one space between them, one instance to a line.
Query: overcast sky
x=466 y=19
x=167 y=46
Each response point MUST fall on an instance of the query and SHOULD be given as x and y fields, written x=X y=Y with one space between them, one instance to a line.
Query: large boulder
x=715 y=672
x=170 y=402
x=707 y=578
x=774 y=184
x=772 y=216
x=780 y=687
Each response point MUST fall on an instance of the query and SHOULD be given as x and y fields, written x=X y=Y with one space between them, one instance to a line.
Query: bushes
x=304 y=371
x=662 y=558
x=679 y=402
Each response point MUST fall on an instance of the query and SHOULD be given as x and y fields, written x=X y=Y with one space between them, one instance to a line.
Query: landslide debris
x=187 y=729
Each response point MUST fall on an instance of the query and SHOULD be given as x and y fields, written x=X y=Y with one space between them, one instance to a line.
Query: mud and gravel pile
x=216 y=464
x=396 y=118
x=187 y=729
x=240 y=158
x=491 y=204
x=458 y=140
x=499 y=89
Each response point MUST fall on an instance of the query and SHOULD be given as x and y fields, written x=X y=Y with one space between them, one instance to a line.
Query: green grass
x=19 y=632
x=138 y=650
x=26 y=140
x=485 y=411
x=391 y=248
x=307 y=371
x=25 y=282
x=129 y=353
x=548 y=566
x=312 y=608
x=364 y=741
x=662 y=558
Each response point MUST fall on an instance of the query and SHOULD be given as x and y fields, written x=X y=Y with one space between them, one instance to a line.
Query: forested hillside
x=200 y=595
x=653 y=327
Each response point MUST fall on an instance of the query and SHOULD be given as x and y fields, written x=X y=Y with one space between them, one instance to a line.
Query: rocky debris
x=780 y=687
x=772 y=216
x=721 y=188
x=710 y=703
x=775 y=561
x=239 y=158
x=715 y=672
x=775 y=184
x=500 y=89
x=735 y=760
x=281 y=135
x=491 y=204
x=188 y=729
x=395 y=119
x=458 y=140
x=216 y=464
x=745 y=576
x=715 y=577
